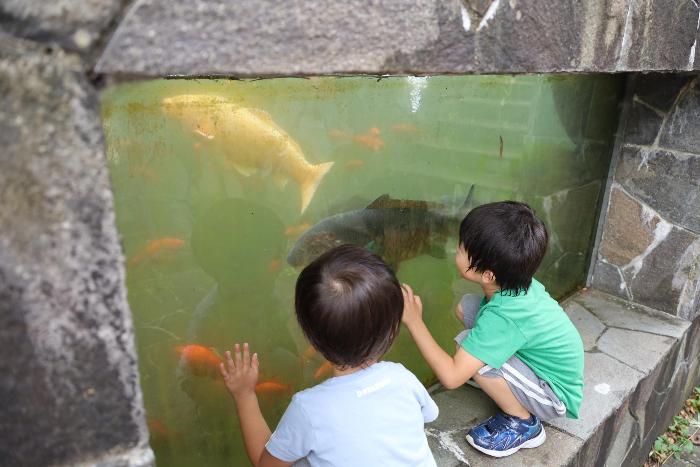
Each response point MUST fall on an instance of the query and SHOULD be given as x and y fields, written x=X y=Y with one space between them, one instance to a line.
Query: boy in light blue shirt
x=349 y=305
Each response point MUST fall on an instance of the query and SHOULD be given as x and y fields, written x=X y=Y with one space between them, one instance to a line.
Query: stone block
x=70 y=385
x=607 y=383
x=643 y=123
x=608 y=278
x=648 y=349
x=682 y=132
x=529 y=36
x=618 y=313
x=659 y=90
x=666 y=181
x=275 y=37
x=590 y=327
x=73 y=25
x=628 y=230
x=462 y=408
x=659 y=35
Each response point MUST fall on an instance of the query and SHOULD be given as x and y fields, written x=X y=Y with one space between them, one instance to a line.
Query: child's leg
x=518 y=391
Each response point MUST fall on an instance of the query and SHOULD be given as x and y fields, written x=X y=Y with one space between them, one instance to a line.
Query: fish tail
x=311 y=181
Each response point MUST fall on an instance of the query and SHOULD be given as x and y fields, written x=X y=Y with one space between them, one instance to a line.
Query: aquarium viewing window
x=224 y=189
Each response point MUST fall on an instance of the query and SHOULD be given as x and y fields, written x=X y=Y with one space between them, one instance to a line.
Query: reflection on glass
x=225 y=189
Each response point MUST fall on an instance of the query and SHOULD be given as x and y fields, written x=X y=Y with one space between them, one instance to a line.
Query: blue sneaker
x=503 y=435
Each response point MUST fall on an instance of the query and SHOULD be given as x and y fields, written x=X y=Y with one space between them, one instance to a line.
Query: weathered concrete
x=636 y=377
x=64 y=319
x=162 y=37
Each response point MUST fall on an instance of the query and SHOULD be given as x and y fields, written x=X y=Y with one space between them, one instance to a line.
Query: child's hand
x=412 y=306
x=240 y=372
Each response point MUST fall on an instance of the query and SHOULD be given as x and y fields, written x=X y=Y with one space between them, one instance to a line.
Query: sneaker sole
x=529 y=444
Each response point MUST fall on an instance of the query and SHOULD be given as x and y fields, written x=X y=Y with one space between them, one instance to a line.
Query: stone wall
x=70 y=385
x=650 y=247
x=70 y=382
x=278 y=37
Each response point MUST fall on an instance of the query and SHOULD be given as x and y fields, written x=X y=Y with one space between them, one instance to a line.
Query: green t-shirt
x=535 y=328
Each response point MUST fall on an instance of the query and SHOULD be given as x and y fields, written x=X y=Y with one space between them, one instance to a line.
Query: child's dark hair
x=507 y=239
x=349 y=304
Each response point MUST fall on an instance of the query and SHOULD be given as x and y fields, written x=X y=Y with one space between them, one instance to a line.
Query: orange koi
x=273 y=387
x=309 y=352
x=324 y=370
x=296 y=230
x=157 y=248
x=275 y=266
x=406 y=128
x=354 y=164
x=371 y=139
x=199 y=360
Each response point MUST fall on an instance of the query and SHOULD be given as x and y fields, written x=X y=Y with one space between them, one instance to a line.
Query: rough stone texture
x=649 y=251
x=660 y=179
x=590 y=327
x=274 y=37
x=659 y=35
x=682 y=132
x=635 y=380
x=73 y=25
x=64 y=319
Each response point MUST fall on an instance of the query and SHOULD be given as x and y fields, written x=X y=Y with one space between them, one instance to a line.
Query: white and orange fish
x=249 y=139
x=273 y=387
x=371 y=139
x=296 y=230
x=156 y=248
x=326 y=369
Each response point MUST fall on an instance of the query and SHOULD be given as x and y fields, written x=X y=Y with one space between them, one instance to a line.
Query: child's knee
x=459 y=313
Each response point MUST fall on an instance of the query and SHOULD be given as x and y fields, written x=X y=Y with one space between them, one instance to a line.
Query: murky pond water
x=224 y=189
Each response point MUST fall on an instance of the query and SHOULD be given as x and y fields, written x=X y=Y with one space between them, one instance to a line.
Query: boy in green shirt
x=519 y=346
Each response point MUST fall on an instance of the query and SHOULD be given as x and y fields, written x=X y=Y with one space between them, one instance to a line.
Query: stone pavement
x=636 y=375
x=686 y=460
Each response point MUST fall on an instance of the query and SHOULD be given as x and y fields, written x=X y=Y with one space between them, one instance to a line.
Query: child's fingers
x=230 y=367
x=409 y=292
x=418 y=301
x=237 y=355
x=254 y=363
x=222 y=369
x=246 y=355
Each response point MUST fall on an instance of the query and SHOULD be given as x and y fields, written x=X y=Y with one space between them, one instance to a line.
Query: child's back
x=349 y=304
x=373 y=416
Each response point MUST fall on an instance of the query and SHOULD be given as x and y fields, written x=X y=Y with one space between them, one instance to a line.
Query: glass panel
x=224 y=189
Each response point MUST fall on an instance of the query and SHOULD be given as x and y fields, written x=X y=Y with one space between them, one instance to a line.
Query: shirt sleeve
x=494 y=339
x=292 y=438
x=427 y=405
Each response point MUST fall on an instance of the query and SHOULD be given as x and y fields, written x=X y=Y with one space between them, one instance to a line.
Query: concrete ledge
x=639 y=364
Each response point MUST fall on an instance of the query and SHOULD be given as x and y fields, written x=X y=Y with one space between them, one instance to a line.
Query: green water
x=206 y=240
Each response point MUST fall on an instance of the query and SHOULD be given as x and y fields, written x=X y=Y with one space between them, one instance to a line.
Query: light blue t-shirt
x=373 y=416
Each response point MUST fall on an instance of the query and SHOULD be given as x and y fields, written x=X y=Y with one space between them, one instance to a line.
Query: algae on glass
x=225 y=189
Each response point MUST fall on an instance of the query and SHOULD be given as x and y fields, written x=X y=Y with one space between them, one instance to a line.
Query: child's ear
x=488 y=276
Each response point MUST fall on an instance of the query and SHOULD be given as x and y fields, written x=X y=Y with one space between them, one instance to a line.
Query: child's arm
x=240 y=375
x=451 y=371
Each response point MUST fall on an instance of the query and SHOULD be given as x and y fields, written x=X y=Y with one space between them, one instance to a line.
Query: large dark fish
x=394 y=229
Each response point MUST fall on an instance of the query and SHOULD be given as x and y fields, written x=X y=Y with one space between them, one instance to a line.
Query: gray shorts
x=534 y=393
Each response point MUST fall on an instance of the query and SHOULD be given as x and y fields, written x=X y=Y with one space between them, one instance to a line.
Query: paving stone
x=607 y=383
x=659 y=90
x=624 y=440
x=590 y=327
x=640 y=350
x=615 y=312
x=462 y=408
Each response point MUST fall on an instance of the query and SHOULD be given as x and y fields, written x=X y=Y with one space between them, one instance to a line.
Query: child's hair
x=349 y=304
x=507 y=239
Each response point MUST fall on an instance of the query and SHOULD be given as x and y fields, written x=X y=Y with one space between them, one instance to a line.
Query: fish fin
x=280 y=180
x=311 y=181
x=243 y=170
x=379 y=202
x=468 y=203
x=260 y=113
x=437 y=251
